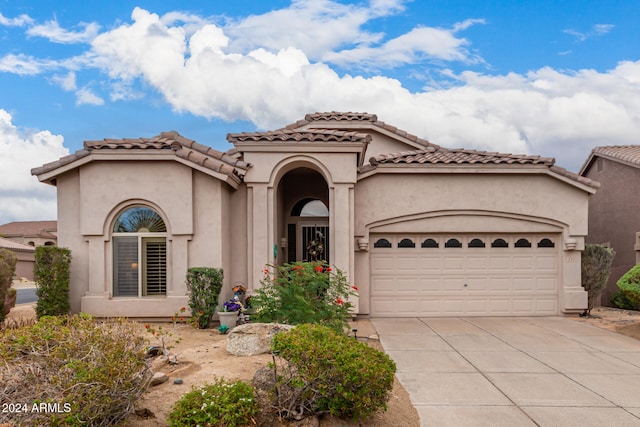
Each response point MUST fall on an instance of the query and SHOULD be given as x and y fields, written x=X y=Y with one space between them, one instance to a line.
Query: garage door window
x=406 y=243
x=476 y=243
x=453 y=243
x=546 y=243
x=382 y=243
x=523 y=243
x=430 y=243
x=499 y=243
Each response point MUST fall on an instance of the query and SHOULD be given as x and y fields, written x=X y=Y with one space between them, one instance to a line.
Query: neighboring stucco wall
x=25 y=265
x=614 y=216
x=541 y=202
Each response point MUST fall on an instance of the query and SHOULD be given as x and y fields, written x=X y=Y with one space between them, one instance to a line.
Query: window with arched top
x=499 y=243
x=476 y=243
x=139 y=237
x=546 y=243
x=406 y=243
x=382 y=243
x=453 y=243
x=310 y=207
x=429 y=243
x=522 y=243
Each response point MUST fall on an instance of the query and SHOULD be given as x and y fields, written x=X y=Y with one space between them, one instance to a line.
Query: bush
x=52 y=278
x=8 y=262
x=596 y=266
x=91 y=372
x=304 y=292
x=222 y=403
x=324 y=372
x=204 y=285
x=629 y=286
x=620 y=300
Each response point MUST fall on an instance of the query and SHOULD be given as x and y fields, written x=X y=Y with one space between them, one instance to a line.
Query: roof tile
x=626 y=153
x=434 y=155
x=290 y=135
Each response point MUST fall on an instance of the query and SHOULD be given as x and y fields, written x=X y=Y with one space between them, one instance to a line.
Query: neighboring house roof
x=15 y=246
x=187 y=150
x=43 y=229
x=625 y=154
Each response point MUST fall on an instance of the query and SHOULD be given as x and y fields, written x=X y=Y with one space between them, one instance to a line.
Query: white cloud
x=543 y=112
x=22 y=196
x=20 y=21
x=85 y=96
x=51 y=30
x=66 y=82
x=595 y=31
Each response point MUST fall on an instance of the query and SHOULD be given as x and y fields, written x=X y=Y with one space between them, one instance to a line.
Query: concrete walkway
x=534 y=371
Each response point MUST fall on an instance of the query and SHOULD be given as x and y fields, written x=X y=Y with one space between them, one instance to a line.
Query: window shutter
x=126 y=266
x=155 y=258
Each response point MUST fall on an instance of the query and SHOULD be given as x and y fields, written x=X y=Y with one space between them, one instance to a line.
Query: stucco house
x=32 y=233
x=614 y=212
x=422 y=230
x=25 y=255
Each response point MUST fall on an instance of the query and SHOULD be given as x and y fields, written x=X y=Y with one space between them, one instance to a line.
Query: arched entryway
x=303 y=216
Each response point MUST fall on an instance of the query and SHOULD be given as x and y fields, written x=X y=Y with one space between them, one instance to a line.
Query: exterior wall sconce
x=283 y=242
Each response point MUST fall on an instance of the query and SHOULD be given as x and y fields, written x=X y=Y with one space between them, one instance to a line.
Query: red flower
x=328 y=269
x=339 y=301
x=146 y=326
x=318 y=269
x=182 y=319
x=355 y=288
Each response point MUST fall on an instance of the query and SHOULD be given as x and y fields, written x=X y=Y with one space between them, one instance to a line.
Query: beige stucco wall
x=477 y=202
x=195 y=207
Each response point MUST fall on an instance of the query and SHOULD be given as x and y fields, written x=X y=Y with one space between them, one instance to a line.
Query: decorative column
x=573 y=297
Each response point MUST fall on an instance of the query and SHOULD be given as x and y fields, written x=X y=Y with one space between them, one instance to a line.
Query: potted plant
x=228 y=312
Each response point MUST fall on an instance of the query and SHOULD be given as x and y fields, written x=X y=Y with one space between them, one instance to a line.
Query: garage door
x=464 y=275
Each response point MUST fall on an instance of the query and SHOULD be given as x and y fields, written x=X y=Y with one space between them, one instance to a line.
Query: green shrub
x=93 y=371
x=222 y=403
x=204 y=285
x=8 y=262
x=304 y=292
x=596 y=266
x=620 y=300
x=52 y=278
x=324 y=372
x=629 y=286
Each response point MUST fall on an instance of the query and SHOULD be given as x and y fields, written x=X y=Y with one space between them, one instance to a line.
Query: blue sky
x=547 y=77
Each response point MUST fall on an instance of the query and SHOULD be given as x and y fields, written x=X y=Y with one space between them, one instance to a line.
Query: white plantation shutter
x=155 y=263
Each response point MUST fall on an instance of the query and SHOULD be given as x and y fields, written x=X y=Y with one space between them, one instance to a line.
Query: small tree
x=52 y=272
x=8 y=262
x=204 y=285
x=596 y=267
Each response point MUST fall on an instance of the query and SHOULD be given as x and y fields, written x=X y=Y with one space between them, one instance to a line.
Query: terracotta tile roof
x=29 y=228
x=292 y=135
x=458 y=156
x=628 y=154
x=15 y=246
x=432 y=155
x=182 y=147
x=342 y=118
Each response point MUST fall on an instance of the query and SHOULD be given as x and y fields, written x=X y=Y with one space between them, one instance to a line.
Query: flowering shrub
x=320 y=371
x=222 y=403
x=304 y=292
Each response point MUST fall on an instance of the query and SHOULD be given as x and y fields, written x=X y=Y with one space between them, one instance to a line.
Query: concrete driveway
x=533 y=371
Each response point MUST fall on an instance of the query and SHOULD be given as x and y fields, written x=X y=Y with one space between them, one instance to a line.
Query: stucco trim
x=290 y=163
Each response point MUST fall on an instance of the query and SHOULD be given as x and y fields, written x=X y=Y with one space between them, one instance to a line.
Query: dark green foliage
x=52 y=272
x=620 y=300
x=204 y=285
x=8 y=262
x=94 y=371
x=596 y=266
x=304 y=292
x=629 y=286
x=222 y=403
x=324 y=372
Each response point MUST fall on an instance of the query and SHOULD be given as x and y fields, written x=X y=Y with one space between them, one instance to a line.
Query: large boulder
x=253 y=338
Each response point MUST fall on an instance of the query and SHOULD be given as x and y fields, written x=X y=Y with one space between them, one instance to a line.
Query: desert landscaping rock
x=159 y=378
x=178 y=381
x=253 y=338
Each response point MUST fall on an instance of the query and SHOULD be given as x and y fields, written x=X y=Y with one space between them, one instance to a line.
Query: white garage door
x=464 y=275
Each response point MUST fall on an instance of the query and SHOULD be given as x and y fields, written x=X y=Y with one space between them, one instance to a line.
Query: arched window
x=310 y=207
x=406 y=243
x=546 y=243
x=523 y=243
x=499 y=243
x=476 y=243
x=139 y=253
x=382 y=243
x=453 y=243
x=429 y=243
